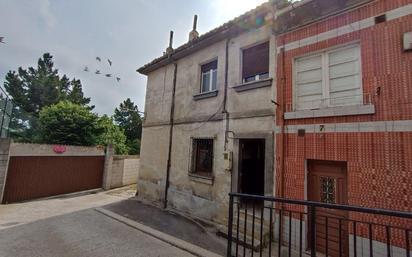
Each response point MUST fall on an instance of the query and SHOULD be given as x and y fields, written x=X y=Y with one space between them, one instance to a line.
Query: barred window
x=327 y=190
x=202 y=157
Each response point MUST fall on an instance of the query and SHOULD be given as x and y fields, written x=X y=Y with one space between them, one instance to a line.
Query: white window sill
x=201 y=179
x=253 y=84
x=331 y=112
x=205 y=95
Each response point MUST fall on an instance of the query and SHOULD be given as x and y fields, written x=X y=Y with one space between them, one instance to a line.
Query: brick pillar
x=4 y=164
x=108 y=165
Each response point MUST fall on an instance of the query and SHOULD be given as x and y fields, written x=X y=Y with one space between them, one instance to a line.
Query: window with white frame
x=328 y=79
x=209 y=77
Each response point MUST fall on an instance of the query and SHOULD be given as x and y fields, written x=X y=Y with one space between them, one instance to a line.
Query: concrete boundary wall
x=119 y=170
x=4 y=163
x=23 y=149
x=125 y=170
x=49 y=157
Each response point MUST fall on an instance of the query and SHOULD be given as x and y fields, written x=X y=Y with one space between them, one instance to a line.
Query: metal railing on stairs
x=271 y=226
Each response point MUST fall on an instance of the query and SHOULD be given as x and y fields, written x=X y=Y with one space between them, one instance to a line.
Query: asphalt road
x=170 y=223
x=84 y=233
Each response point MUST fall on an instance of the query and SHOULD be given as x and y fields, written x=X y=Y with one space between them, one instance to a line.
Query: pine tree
x=128 y=118
x=33 y=89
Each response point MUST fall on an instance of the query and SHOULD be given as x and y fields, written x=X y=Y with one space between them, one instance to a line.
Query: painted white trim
x=331 y=112
x=346 y=29
x=352 y=127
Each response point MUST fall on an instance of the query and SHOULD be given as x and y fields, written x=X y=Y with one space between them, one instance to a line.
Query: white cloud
x=44 y=9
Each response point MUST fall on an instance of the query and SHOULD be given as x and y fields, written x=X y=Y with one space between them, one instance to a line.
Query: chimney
x=194 y=34
x=169 y=50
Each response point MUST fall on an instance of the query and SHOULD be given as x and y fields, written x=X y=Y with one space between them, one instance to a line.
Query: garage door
x=31 y=177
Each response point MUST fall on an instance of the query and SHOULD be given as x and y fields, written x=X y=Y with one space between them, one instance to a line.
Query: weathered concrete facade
x=246 y=113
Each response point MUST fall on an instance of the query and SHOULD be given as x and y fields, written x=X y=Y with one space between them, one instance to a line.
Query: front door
x=327 y=183
x=252 y=166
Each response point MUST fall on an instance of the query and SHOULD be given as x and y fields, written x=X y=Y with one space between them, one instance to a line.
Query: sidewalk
x=83 y=233
x=169 y=223
x=21 y=213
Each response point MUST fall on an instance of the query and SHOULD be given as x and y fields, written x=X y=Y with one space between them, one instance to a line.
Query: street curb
x=65 y=196
x=191 y=248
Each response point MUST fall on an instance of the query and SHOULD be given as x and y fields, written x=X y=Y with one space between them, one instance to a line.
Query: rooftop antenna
x=194 y=34
x=169 y=50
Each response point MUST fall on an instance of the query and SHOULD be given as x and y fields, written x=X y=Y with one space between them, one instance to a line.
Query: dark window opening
x=202 y=157
x=209 y=77
x=380 y=19
x=256 y=63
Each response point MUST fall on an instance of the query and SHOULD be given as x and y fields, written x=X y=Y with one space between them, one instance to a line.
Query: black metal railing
x=271 y=226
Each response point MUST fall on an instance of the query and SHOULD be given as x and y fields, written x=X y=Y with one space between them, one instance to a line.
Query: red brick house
x=344 y=95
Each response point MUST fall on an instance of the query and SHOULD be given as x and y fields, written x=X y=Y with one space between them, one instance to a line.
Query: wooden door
x=252 y=166
x=327 y=183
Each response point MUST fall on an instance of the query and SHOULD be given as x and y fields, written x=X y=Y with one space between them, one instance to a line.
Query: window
x=255 y=63
x=202 y=157
x=328 y=79
x=209 y=77
x=327 y=190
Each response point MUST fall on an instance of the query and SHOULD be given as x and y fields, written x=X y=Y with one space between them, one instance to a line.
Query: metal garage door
x=31 y=177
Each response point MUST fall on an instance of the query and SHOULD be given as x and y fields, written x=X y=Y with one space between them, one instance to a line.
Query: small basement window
x=209 y=77
x=202 y=157
x=255 y=64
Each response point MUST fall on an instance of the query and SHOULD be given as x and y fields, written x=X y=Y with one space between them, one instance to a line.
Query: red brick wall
x=384 y=64
x=379 y=163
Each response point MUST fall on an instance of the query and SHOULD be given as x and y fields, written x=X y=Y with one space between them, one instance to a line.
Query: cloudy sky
x=129 y=32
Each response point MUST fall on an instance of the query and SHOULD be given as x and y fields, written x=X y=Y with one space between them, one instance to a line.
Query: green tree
x=69 y=123
x=112 y=134
x=128 y=118
x=134 y=146
x=33 y=89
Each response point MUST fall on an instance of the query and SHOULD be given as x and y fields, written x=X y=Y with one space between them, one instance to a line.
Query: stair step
x=242 y=212
x=249 y=229
x=249 y=221
x=248 y=244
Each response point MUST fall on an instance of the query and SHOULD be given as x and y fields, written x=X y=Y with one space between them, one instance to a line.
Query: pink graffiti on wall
x=59 y=148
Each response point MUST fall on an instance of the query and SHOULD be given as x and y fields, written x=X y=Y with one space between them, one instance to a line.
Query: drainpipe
x=225 y=112
x=172 y=110
x=280 y=115
x=225 y=93
x=282 y=123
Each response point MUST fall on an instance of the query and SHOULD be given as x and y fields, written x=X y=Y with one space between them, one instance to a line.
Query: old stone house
x=209 y=119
